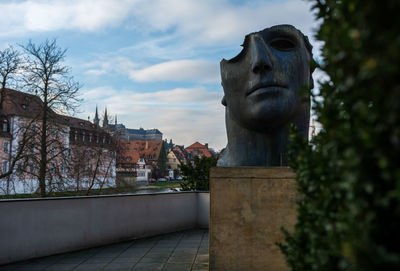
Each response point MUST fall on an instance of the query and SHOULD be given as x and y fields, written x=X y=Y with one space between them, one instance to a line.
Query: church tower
x=96 y=119
x=105 y=119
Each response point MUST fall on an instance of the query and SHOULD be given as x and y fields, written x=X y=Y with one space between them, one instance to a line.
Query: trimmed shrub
x=349 y=176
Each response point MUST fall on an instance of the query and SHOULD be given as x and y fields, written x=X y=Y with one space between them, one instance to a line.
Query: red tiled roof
x=76 y=122
x=180 y=153
x=21 y=104
x=132 y=150
x=202 y=150
x=27 y=105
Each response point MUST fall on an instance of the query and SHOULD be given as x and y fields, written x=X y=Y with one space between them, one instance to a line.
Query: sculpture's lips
x=265 y=88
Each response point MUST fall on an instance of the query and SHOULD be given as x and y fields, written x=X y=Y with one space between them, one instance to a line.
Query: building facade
x=67 y=139
x=198 y=149
x=134 y=152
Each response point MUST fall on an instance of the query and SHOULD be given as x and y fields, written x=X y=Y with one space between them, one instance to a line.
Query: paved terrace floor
x=186 y=250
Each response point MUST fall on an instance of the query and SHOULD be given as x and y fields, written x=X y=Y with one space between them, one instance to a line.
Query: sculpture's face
x=262 y=82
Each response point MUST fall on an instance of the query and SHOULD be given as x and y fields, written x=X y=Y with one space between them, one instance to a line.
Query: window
x=53 y=151
x=97 y=138
x=90 y=137
x=19 y=168
x=5 y=126
x=6 y=146
x=104 y=140
x=83 y=136
x=52 y=168
x=174 y=160
x=5 y=166
x=31 y=168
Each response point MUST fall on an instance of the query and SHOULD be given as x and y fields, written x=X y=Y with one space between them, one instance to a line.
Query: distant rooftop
x=142 y=131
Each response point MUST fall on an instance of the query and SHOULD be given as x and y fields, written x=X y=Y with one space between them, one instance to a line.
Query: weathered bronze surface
x=261 y=86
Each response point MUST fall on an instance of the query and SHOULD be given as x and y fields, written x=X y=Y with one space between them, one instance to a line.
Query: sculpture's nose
x=260 y=55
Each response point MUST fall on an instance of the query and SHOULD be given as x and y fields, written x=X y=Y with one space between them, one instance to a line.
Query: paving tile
x=202 y=250
x=183 y=254
x=119 y=266
x=200 y=267
x=144 y=244
x=148 y=267
x=162 y=250
x=90 y=267
x=154 y=259
x=157 y=254
x=126 y=260
x=98 y=260
x=202 y=258
x=176 y=251
x=186 y=250
x=71 y=260
x=61 y=267
x=177 y=267
x=188 y=258
x=132 y=254
x=80 y=254
x=164 y=247
x=107 y=254
x=136 y=250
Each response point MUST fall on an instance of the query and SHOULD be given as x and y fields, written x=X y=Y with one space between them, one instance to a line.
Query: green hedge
x=349 y=176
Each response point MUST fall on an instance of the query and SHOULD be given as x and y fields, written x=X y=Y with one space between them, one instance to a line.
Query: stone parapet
x=248 y=207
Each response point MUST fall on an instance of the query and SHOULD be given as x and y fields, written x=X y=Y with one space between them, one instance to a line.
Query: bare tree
x=104 y=159
x=48 y=78
x=18 y=153
x=10 y=62
x=91 y=165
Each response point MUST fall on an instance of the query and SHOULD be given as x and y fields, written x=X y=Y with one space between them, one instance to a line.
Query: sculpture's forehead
x=268 y=34
x=286 y=30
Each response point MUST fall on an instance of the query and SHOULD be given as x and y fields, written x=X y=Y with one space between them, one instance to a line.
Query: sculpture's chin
x=265 y=117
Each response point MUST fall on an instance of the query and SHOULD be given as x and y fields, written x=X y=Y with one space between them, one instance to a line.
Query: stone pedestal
x=248 y=207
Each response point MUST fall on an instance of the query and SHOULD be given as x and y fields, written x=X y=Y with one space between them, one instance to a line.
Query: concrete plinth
x=248 y=207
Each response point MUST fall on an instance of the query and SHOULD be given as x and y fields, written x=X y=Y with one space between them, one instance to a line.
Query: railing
x=31 y=228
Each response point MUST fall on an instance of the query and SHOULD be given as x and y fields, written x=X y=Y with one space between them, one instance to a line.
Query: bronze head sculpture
x=261 y=86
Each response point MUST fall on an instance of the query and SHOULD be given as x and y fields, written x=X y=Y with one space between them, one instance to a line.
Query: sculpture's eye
x=282 y=44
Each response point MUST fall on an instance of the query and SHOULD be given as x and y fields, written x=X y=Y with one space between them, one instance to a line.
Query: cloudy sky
x=153 y=63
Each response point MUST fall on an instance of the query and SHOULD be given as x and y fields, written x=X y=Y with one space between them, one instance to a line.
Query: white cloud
x=106 y=65
x=179 y=70
x=220 y=22
x=197 y=22
x=183 y=114
x=41 y=16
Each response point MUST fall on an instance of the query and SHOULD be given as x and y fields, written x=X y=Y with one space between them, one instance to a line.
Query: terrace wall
x=31 y=228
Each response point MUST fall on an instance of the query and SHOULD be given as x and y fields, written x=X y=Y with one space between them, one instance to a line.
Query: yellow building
x=172 y=160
